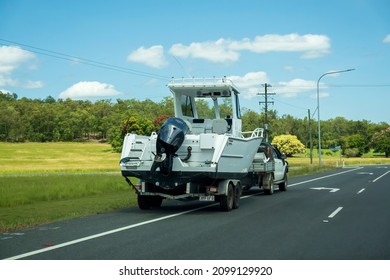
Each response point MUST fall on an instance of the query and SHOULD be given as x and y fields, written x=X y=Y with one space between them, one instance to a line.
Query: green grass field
x=25 y=158
x=46 y=182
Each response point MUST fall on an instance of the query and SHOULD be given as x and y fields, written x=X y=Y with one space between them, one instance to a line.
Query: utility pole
x=265 y=102
x=310 y=138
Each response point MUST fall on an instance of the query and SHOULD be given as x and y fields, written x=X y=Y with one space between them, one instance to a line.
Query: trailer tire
x=146 y=202
x=143 y=202
x=237 y=195
x=227 y=201
x=156 y=201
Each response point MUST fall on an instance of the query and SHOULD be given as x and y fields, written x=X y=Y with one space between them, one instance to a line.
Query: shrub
x=289 y=144
x=352 y=152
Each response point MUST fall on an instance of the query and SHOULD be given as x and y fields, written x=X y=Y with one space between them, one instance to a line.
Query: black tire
x=268 y=181
x=226 y=202
x=283 y=186
x=237 y=196
x=147 y=202
x=143 y=202
x=156 y=201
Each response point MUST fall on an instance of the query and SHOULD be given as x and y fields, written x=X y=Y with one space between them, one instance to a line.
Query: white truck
x=198 y=156
x=269 y=168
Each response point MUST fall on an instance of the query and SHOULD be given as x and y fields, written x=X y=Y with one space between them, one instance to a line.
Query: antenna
x=181 y=66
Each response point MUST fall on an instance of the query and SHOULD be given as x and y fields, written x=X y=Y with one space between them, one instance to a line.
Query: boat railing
x=258 y=132
x=200 y=81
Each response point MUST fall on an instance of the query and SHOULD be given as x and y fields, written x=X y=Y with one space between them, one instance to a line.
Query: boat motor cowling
x=171 y=136
x=169 y=139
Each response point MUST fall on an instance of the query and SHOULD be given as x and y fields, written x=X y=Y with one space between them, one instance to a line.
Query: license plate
x=207 y=198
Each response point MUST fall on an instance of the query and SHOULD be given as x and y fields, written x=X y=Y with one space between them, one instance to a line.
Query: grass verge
x=22 y=216
x=32 y=200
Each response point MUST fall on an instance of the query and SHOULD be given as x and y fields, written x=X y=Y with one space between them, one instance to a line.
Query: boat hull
x=213 y=157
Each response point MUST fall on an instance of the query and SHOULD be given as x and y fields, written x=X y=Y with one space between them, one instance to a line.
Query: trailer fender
x=223 y=186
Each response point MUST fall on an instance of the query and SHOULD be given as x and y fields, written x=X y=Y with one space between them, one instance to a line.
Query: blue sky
x=130 y=49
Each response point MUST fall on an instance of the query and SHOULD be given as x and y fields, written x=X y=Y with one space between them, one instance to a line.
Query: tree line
x=51 y=120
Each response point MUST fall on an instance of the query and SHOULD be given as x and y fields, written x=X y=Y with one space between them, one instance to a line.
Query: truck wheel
x=143 y=202
x=226 y=202
x=156 y=201
x=283 y=186
x=237 y=195
x=268 y=183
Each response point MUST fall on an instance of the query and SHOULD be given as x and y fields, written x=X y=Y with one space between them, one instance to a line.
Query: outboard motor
x=169 y=139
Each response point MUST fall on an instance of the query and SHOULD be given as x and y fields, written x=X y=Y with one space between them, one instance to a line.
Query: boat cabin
x=209 y=105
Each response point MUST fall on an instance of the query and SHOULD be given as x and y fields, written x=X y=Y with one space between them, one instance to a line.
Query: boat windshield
x=206 y=108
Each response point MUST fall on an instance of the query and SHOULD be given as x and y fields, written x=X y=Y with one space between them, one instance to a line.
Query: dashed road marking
x=376 y=179
x=362 y=190
x=335 y=212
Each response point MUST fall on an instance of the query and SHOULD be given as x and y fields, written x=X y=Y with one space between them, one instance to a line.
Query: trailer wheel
x=226 y=202
x=156 y=201
x=237 y=195
x=143 y=202
x=146 y=202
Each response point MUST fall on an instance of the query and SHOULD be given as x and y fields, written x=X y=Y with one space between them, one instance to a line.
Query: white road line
x=65 y=244
x=335 y=212
x=51 y=248
x=362 y=190
x=380 y=176
x=323 y=177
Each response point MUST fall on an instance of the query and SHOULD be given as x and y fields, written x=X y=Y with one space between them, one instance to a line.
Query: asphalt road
x=343 y=214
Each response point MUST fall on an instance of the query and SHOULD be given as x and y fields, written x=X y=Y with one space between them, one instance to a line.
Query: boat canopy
x=194 y=97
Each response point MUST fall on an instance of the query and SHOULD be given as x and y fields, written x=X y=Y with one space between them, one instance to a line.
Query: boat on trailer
x=194 y=154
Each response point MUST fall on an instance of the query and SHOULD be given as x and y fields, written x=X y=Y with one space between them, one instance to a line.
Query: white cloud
x=311 y=45
x=214 y=51
x=153 y=56
x=11 y=58
x=387 y=39
x=252 y=83
x=294 y=87
x=6 y=80
x=226 y=50
x=32 y=84
x=5 y=91
x=249 y=84
x=85 y=90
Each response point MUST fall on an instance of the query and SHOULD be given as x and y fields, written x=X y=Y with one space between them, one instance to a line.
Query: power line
x=335 y=85
x=87 y=61
x=373 y=85
x=289 y=104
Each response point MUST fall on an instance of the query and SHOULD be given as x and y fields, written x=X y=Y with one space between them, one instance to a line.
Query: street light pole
x=318 y=111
